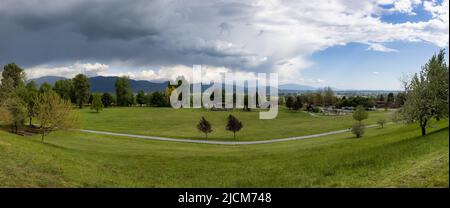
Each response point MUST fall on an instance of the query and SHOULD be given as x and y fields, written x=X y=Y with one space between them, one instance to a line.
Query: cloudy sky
x=347 y=44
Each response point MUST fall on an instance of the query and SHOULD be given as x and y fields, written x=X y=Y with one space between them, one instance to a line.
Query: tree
x=329 y=98
x=381 y=122
x=390 y=99
x=5 y=116
x=14 y=74
x=123 y=92
x=360 y=114
x=97 y=103
x=64 y=88
x=427 y=93
x=52 y=112
x=204 y=126
x=80 y=89
x=157 y=99
x=289 y=102
x=30 y=100
x=18 y=112
x=141 y=98
x=358 y=130
x=400 y=99
x=297 y=103
x=233 y=125
x=107 y=99
x=45 y=88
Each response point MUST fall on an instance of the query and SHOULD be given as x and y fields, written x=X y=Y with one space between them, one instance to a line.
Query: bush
x=381 y=122
x=358 y=130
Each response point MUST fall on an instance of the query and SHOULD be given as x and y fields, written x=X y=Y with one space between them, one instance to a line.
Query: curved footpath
x=222 y=142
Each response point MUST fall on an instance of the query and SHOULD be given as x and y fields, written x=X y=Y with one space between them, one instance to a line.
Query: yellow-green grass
x=181 y=123
x=394 y=156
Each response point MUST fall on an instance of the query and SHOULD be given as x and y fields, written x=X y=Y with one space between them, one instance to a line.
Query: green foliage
x=53 y=112
x=14 y=74
x=427 y=93
x=204 y=126
x=107 y=100
x=297 y=105
x=381 y=122
x=124 y=95
x=360 y=114
x=157 y=99
x=80 y=89
x=18 y=112
x=64 y=88
x=234 y=125
x=97 y=103
x=358 y=129
x=45 y=88
x=141 y=98
x=289 y=102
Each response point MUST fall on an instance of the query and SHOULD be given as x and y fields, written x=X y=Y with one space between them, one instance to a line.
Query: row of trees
x=19 y=102
x=233 y=125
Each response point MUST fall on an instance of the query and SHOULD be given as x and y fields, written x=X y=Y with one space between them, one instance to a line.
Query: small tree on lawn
x=358 y=130
x=359 y=115
x=381 y=122
x=289 y=102
x=5 y=116
x=204 y=126
x=52 y=112
x=233 y=125
x=97 y=103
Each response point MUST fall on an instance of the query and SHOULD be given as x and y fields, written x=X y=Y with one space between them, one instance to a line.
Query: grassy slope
x=391 y=157
x=182 y=123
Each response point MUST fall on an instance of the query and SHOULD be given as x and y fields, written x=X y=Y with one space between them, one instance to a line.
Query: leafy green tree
x=204 y=126
x=297 y=103
x=381 y=122
x=234 y=125
x=14 y=74
x=107 y=100
x=390 y=99
x=30 y=100
x=45 y=88
x=52 y=112
x=17 y=108
x=289 y=102
x=360 y=114
x=81 y=89
x=329 y=99
x=358 y=130
x=157 y=99
x=64 y=88
x=427 y=93
x=141 y=98
x=124 y=94
x=5 y=116
x=97 y=103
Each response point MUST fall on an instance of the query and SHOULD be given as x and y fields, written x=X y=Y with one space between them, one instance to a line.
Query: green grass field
x=168 y=122
x=395 y=156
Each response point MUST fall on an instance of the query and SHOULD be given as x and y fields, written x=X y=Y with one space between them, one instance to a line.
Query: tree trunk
x=43 y=134
x=423 y=127
x=31 y=118
x=234 y=135
x=206 y=135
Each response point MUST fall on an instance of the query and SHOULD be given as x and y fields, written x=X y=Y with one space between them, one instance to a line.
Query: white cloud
x=376 y=73
x=69 y=71
x=380 y=48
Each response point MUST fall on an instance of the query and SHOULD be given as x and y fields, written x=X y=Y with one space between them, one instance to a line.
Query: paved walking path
x=222 y=142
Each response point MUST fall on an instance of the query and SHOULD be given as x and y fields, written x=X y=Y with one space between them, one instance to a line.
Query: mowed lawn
x=181 y=123
x=395 y=156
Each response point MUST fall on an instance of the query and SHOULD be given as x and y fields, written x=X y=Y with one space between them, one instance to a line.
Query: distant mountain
x=107 y=84
x=49 y=79
x=296 y=87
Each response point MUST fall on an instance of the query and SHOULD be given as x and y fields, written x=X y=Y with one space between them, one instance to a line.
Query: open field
x=395 y=156
x=168 y=122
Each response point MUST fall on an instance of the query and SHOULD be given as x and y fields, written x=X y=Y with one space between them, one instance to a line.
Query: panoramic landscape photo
x=224 y=94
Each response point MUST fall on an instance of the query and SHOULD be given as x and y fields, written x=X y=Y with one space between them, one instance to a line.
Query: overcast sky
x=348 y=44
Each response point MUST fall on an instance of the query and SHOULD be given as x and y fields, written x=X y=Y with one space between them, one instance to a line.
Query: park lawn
x=181 y=123
x=394 y=156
